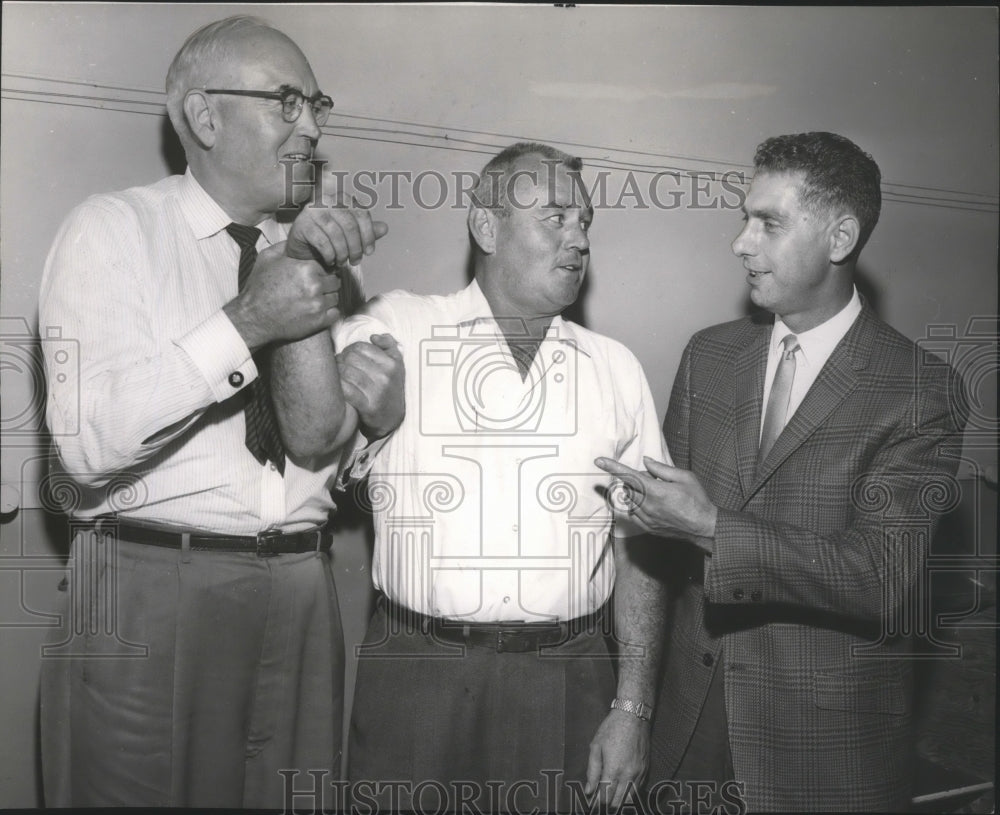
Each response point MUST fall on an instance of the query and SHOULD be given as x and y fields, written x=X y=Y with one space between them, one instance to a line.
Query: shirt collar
x=207 y=218
x=818 y=343
x=473 y=307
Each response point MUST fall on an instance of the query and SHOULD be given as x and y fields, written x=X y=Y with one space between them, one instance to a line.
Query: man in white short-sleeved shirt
x=485 y=675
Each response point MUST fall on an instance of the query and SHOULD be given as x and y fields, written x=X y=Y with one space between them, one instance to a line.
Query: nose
x=577 y=238
x=743 y=243
x=306 y=124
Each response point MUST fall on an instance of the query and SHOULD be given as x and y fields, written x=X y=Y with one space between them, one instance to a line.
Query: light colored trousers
x=190 y=679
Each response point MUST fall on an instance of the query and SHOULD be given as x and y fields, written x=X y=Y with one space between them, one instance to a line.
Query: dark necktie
x=777 y=403
x=263 y=439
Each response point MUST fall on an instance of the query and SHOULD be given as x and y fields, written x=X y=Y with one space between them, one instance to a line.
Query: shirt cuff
x=218 y=351
x=358 y=463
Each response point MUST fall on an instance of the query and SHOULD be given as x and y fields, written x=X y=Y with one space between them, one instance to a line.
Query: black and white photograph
x=499 y=407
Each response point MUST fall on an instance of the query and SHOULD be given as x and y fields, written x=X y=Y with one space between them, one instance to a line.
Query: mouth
x=571 y=268
x=756 y=273
x=297 y=156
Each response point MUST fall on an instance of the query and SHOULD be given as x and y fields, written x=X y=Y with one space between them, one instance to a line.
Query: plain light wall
x=436 y=90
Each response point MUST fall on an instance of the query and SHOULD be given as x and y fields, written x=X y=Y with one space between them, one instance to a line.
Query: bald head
x=213 y=57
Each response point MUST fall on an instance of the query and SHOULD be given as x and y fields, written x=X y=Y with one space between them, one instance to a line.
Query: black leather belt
x=264 y=544
x=502 y=637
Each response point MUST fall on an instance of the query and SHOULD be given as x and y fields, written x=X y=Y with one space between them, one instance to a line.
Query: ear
x=201 y=118
x=483 y=228
x=844 y=234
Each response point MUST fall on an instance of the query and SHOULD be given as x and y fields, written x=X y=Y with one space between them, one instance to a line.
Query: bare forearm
x=640 y=618
x=309 y=404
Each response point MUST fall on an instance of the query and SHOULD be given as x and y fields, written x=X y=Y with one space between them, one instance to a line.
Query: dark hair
x=838 y=174
x=492 y=189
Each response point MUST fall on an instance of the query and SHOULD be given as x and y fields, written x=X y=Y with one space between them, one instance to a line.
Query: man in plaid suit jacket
x=788 y=667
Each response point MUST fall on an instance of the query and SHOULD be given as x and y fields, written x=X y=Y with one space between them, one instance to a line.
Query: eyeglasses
x=292 y=100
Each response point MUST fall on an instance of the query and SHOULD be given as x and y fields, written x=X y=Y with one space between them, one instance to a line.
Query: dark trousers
x=493 y=731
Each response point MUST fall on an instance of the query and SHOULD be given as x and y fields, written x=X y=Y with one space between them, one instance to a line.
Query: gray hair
x=209 y=46
x=492 y=190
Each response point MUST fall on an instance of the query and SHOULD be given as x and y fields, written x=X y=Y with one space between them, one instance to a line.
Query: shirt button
x=273 y=466
x=755 y=596
x=738 y=594
x=707 y=659
x=236 y=379
x=514 y=527
x=506 y=599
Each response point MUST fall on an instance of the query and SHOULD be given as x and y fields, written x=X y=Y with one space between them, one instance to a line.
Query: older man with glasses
x=200 y=660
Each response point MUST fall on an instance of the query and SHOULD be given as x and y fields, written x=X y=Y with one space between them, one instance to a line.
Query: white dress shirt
x=141 y=381
x=486 y=501
x=815 y=347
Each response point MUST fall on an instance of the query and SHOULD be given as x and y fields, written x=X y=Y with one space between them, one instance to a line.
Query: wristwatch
x=638 y=709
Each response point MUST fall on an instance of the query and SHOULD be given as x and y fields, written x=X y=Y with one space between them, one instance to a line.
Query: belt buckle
x=511 y=640
x=266 y=540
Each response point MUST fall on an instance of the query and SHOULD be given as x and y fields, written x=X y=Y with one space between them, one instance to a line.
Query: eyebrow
x=587 y=210
x=764 y=214
x=300 y=91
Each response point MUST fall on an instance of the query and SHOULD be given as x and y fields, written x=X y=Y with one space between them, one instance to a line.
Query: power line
x=358 y=117
x=452 y=143
x=494 y=134
x=508 y=136
x=158 y=105
x=41 y=78
x=84 y=105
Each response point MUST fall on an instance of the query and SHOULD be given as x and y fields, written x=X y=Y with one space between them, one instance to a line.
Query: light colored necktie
x=777 y=403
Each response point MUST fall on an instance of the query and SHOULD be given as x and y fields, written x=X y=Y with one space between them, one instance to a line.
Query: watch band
x=638 y=709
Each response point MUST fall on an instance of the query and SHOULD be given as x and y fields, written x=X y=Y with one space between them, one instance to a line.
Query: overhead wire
x=605 y=158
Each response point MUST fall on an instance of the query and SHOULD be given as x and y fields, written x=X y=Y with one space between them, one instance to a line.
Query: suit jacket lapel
x=751 y=364
x=835 y=382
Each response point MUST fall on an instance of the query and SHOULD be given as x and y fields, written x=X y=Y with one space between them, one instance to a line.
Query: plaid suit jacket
x=816 y=576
